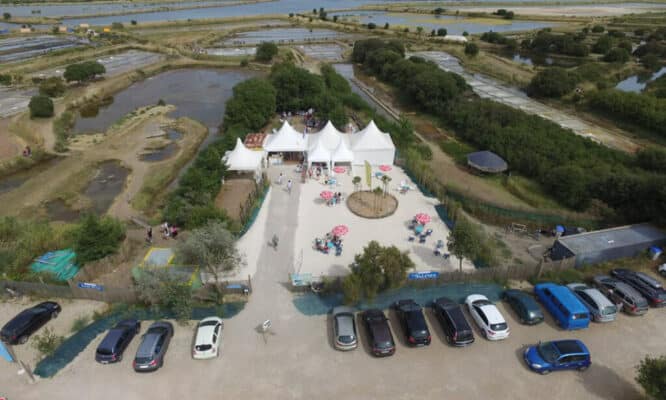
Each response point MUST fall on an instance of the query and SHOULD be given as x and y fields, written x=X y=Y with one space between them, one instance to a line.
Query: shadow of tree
x=608 y=384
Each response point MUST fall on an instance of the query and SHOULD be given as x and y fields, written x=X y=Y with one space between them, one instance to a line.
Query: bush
x=598 y=29
x=84 y=71
x=117 y=26
x=41 y=107
x=651 y=159
x=80 y=323
x=133 y=22
x=372 y=25
x=52 y=87
x=47 y=342
x=645 y=111
x=244 y=62
x=424 y=151
x=386 y=26
x=441 y=32
x=266 y=51
x=566 y=44
x=651 y=62
x=603 y=44
x=6 y=16
x=5 y=79
x=471 y=49
x=652 y=376
x=252 y=104
x=96 y=238
x=617 y=55
x=552 y=82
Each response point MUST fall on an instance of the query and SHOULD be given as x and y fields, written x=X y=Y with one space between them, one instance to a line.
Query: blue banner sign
x=86 y=285
x=423 y=275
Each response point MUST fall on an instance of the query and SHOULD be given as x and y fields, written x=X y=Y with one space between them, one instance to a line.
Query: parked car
x=646 y=285
x=112 y=347
x=413 y=322
x=153 y=347
x=601 y=309
x=207 y=339
x=623 y=295
x=344 y=328
x=563 y=305
x=450 y=315
x=487 y=317
x=557 y=355
x=524 y=305
x=379 y=332
x=27 y=322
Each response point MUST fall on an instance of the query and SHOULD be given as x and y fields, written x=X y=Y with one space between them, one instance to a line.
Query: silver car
x=344 y=328
x=621 y=294
x=601 y=309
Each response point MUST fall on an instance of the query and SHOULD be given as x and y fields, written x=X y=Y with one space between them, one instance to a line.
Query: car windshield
x=142 y=360
x=608 y=310
x=498 y=327
x=547 y=351
x=346 y=339
x=384 y=345
x=208 y=323
x=203 y=347
x=104 y=352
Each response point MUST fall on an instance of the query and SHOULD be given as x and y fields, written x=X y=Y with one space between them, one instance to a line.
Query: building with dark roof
x=486 y=161
x=608 y=244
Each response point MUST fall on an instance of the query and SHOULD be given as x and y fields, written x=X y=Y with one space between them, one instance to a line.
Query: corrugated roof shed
x=607 y=239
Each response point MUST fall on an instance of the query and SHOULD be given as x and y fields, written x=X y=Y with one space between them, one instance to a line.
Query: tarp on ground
x=158 y=257
x=61 y=264
x=486 y=161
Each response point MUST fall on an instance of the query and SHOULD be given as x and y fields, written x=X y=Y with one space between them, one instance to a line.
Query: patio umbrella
x=339 y=170
x=326 y=195
x=422 y=218
x=340 y=230
x=385 y=167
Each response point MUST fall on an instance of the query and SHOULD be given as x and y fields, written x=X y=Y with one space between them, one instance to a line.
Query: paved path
x=490 y=89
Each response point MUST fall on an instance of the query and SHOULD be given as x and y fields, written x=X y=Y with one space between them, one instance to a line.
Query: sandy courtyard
x=315 y=219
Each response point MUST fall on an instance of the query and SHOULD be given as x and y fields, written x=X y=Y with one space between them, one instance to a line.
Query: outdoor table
x=330 y=244
x=418 y=229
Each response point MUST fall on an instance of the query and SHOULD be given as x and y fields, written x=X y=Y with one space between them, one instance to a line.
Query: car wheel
x=120 y=358
x=544 y=372
x=54 y=314
x=583 y=368
x=23 y=339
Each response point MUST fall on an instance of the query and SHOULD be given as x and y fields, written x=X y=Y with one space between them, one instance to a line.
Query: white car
x=487 y=317
x=208 y=338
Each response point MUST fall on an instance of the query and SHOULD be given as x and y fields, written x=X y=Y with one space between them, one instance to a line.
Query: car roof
x=525 y=299
x=564 y=295
x=342 y=310
x=111 y=338
x=204 y=335
x=475 y=297
x=598 y=297
x=649 y=280
x=569 y=346
x=148 y=344
x=345 y=324
x=492 y=313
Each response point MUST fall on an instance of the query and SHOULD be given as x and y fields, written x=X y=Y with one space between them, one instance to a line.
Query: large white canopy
x=286 y=139
x=242 y=159
x=319 y=153
x=372 y=145
x=329 y=136
x=342 y=153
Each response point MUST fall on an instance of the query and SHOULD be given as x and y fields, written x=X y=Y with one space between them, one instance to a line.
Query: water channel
x=636 y=83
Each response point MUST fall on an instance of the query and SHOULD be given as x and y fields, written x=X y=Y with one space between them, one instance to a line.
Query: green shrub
x=52 y=87
x=372 y=25
x=96 y=238
x=47 y=342
x=552 y=82
x=40 y=107
x=5 y=79
x=651 y=376
x=598 y=29
x=617 y=55
x=266 y=51
x=425 y=151
x=471 y=49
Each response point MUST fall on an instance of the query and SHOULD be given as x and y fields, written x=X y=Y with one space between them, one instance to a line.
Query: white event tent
x=242 y=159
x=373 y=146
x=285 y=140
x=342 y=154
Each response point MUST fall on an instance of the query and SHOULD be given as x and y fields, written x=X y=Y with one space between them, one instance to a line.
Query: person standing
x=280 y=179
x=289 y=184
x=149 y=235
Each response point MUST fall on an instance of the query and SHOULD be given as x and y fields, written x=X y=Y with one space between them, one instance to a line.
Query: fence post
x=249 y=282
x=539 y=269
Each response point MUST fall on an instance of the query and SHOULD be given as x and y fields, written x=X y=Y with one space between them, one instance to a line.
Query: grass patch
x=80 y=323
x=47 y=342
x=21 y=163
x=61 y=128
x=530 y=192
x=457 y=150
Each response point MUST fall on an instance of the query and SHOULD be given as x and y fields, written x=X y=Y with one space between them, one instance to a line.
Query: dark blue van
x=568 y=311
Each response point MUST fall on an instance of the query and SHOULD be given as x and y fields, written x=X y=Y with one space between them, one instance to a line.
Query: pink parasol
x=339 y=170
x=326 y=195
x=422 y=218
x=340 y=230
x=385 y=167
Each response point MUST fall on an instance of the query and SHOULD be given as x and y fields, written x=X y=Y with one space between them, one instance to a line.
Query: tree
x=211 y=247
x=335 y=18
x=385 y=181
x=357 y=182
x=598 y=29
x=251 y=106
x=652 y=376
x=84 y=71
x=618 y=55
x=651 y=62
x=372 y=25
x=164 y=290
x=266 y=51
x=6 y=16
x=471 y=49
x=133 y=22
x=96 y=238
x=40 y=107
x=552 y=82
x=52 y=87
x=463 y=240
x=419 y=30
x=387 y=26
x=441 y=32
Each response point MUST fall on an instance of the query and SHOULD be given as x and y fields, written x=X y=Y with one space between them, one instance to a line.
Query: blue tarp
x=486 y=161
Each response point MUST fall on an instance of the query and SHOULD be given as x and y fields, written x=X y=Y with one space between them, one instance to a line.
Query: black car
x=115 y=342
x=153 y=347
x=19 y=329
x=379 y=332
x=524 y=305
x=413 y=322
x=450 y=315
x=646 y=285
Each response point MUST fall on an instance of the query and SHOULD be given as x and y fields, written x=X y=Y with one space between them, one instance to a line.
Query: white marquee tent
x=372 y=145
x=342 y=154
x=242 y=159
x=286 y=139
x=319 y=153
x=329 y=136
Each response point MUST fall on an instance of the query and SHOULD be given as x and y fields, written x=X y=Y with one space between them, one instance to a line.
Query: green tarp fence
x=61 y=264
x=78 y=342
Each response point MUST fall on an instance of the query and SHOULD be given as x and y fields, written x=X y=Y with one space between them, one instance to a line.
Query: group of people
x=315 y=172
x=290 y=183
x=329 y=242
x=168 y=231
x=336 y=199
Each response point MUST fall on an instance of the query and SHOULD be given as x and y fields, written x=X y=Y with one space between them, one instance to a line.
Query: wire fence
x=73 y=290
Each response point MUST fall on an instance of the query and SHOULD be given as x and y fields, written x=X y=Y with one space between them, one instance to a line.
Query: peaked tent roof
x=319 y=153
x=342 y=153
x=329 y=136
x=242 y=159
x=371 y=138
x=286 y=139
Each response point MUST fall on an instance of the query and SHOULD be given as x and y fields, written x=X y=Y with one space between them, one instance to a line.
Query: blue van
x=568 y=311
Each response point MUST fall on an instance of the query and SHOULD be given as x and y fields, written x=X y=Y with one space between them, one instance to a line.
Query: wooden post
x=249 y=282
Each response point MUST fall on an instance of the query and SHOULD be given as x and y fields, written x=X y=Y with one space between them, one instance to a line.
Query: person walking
x=149 y=235
x=280 y=179
x=289 y=184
